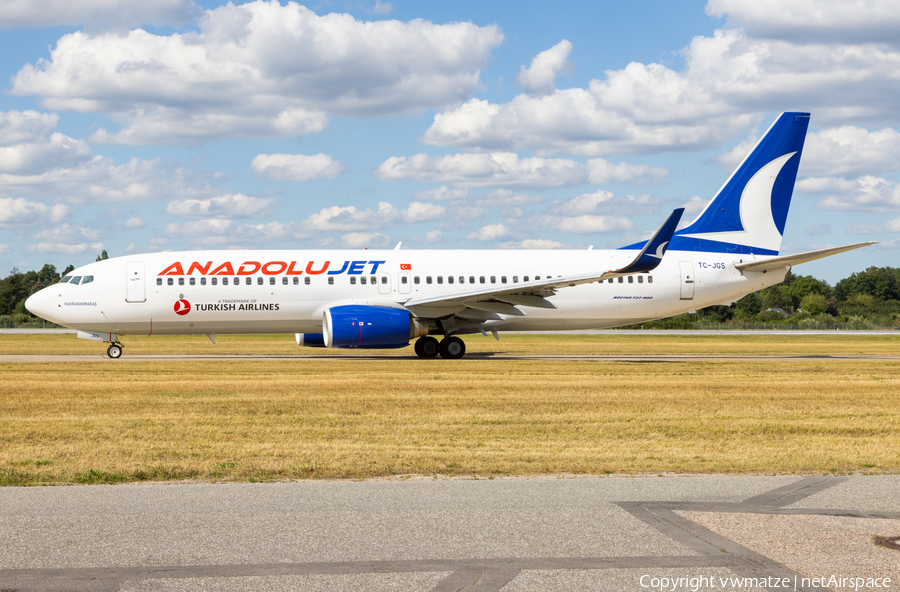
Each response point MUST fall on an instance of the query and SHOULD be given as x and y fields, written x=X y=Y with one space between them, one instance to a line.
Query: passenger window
x=449 y=279
x=181 y=281
x=536 y=278
x=284 y=281
x=630 y=279
x=610 y=280
x=403 y=280
x=296 y=281
x=353 y=280
x=224 y=281
x=649 y=279
x=193 y=281
x=621 y=280
x=493 y=279
x=331 y=281
x=471 y=279
x=384 y=279
x=271 y=281
x=214 y=281
x=169 y=281
x=158 y=281
x=306 y=280
x=524 y=279
x=462 y=280
x=428 y=279
x=66 y=279
x=87 y=279
x=248 y=281
x=259 y=281
x=440 y=279
x=640 y=279
x=416 y=280
x=372 y=280
x=203 y=281
x=237 y=281
x=502 y=279
x=481 y=279
x=362 y=280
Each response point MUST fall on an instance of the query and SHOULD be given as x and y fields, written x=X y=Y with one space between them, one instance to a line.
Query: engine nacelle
x=369 y=327
x=310 y=339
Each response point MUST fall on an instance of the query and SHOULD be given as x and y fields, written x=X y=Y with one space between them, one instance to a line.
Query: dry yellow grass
x=358 y=418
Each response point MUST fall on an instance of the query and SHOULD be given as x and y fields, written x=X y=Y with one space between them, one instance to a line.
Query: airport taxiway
x=515 y=535
x=483 y=356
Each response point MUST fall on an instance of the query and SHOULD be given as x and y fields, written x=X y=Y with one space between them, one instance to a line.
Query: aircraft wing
x=791 y=260
x=503 y=299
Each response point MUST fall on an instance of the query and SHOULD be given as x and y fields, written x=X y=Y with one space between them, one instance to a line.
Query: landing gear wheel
x=453 y=348
x=427 y=347
x=114 y=351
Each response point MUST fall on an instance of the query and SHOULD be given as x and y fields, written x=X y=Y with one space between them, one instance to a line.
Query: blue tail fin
x=748 y=213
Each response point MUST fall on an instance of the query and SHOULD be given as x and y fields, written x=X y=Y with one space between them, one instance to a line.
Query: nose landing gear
x=114 y=351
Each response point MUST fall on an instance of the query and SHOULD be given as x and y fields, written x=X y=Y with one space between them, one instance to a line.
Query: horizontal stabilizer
x=791 y=260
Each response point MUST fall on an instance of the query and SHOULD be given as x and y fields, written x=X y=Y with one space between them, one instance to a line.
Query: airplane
x=381 y=299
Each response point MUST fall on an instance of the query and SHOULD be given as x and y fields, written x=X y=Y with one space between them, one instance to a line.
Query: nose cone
x=40 y=304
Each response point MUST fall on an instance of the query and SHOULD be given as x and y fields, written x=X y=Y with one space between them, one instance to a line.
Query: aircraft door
x=134 y=282
x=384 y=283
x=403 y=284
x=687 y=279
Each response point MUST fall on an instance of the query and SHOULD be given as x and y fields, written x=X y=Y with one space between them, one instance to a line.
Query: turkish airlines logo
x=182 y=307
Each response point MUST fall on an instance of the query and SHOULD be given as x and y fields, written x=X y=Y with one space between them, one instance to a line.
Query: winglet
x=652 y=253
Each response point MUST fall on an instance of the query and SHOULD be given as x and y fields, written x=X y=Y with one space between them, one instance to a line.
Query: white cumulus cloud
x=851 y=21
x=871 y=194
x=505 y=169
x=533 y=243
x=603 y=202
x=226 y=206
x=489 y=232
x=21 y=212
x=296 y=167
x=357 y=240
x=67 y=238
x=540 y=77
x=258 y=69
x=96 y=13
x=352 y=219
x=730 y=82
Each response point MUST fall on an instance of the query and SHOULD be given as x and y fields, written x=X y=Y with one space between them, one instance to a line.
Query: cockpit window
x=87 y=279
x=65 y=280
x=76 y=280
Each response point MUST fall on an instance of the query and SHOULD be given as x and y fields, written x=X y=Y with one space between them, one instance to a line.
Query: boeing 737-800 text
x=385 y=299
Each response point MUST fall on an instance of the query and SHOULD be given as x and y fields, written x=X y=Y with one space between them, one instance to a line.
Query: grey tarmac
x=520 y=534
x=479 y=356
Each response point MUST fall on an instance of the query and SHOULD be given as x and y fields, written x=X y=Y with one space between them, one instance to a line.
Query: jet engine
x=369 y=327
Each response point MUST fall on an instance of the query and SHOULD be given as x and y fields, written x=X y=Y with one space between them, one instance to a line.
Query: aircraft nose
x=40 y=304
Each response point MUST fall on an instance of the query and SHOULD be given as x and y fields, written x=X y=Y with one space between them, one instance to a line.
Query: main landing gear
x=114 y=351
x=450 y=348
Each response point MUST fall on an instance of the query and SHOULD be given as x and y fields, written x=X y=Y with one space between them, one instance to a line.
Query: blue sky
x=141 y=127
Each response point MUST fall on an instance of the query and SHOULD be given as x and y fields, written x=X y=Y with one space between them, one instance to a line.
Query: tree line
x=870 y=297
x=864 y=300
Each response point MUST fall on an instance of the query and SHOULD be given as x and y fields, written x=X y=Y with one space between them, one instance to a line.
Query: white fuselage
x=140 y=294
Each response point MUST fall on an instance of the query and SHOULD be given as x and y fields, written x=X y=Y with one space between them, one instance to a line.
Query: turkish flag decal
x=406 y=266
